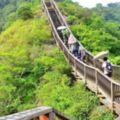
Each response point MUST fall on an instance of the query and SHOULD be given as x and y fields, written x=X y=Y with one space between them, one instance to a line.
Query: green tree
x=25 y=12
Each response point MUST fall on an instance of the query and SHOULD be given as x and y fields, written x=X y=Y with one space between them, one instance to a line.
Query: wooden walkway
x=106 y=88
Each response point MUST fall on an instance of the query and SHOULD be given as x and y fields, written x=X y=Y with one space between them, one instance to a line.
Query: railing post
x=75 y=67
x=96 y=76
x=52 y=116
x=112 y=95
x=62 y=48
x=42 y=6
x=85 y=75
x=96 y=79
x=68 y=57
x=56 y=40
x=37 y=118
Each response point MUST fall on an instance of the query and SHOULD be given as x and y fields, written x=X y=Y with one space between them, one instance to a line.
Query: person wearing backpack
x=76 y=49
x=107 y=67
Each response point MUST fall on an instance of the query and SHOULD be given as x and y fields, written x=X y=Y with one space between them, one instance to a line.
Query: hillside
x=20 y=72
x=33 y=71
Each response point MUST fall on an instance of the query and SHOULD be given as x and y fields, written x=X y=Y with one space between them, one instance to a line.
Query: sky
x=92 y=3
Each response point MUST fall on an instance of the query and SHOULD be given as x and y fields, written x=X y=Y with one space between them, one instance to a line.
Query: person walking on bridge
x=71 y=43
x=82 y=53
x=107 y=67
x=64 y=34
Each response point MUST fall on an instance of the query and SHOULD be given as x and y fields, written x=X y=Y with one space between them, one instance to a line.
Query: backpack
x=76 y=46
x=109 y=67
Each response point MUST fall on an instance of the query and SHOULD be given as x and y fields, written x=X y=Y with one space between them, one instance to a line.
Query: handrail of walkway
x=40 y=113
x=116 y=68
x=108 y=87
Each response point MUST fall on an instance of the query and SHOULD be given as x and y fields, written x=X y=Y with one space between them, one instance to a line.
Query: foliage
x=111 y=12
x=54 y=90
x=9 y=10
x=25 y=12
x=19 y=69
x=101 y=113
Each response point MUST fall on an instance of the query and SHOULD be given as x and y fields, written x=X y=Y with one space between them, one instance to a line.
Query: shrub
x=25 y=12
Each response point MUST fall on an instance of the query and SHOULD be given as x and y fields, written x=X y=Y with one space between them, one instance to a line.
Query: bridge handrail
x=28 y=114
x=66 y=24
x=105 y=84
x=116 y=68
x=36 y=113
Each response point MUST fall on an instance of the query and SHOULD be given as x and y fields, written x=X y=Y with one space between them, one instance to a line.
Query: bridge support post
x=52 y=116
x=68 y=58
x=112 y=96
x=42 y=6
x=96 y=78
x=75 y=68
x=36 y=118
x=85 y=76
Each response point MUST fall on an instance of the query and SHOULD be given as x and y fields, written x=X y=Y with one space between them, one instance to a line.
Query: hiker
x=107 y=67
x=82 y=53
x=64 y=33
x=71 y=43
x=75 y=50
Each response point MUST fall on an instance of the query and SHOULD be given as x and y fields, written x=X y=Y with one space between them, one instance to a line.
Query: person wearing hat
x=64 y=33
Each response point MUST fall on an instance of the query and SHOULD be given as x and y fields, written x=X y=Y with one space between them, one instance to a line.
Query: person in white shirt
x=107 y=67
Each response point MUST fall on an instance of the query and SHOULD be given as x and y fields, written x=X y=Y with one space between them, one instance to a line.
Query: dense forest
x=8 y=10
x=98 y=29
x=33 y=71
